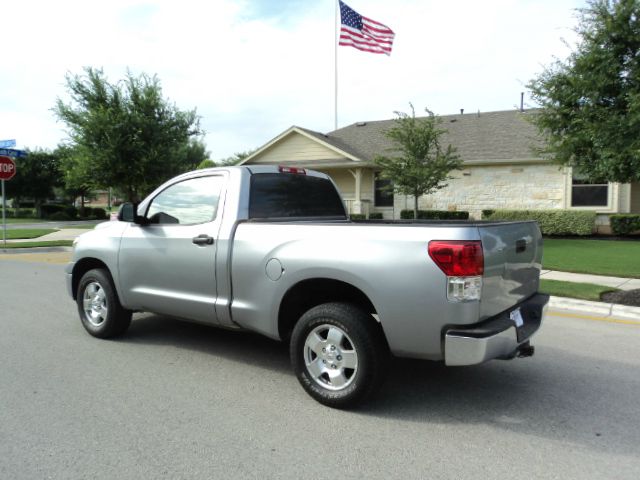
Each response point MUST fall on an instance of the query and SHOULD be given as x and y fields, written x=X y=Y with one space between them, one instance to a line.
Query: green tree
x=132 y=137
x=77 y=171
x=36 y=176
x=590 y=101
x=206 y=164
x=419 y=164
x=192 y=154
x=236 y=158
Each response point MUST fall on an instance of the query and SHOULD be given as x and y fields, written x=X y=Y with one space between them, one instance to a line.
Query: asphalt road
x=176 y=400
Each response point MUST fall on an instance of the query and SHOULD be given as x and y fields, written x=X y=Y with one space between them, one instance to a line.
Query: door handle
x=203 y=239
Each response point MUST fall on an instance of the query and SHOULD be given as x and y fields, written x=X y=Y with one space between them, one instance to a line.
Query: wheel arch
x=81 y=267
x=309 y=293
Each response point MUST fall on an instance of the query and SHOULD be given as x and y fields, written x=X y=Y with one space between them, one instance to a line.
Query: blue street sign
x=12 y=152
x=7 y=143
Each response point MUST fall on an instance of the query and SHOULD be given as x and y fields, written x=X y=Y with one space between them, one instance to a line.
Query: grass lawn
x=27 y=232
x=599 y=257
x=52 y=243
x=86 y=226
x=583 y=291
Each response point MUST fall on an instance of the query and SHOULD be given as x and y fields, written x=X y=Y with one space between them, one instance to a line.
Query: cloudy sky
x=252 y=68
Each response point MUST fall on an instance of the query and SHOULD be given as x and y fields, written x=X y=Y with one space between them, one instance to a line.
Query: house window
x=588 y=194
x=383 y=196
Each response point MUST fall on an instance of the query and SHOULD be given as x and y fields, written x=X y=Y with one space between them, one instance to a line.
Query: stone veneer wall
x=535 y=187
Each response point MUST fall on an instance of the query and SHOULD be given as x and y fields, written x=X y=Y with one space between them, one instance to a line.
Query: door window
x=189 y=202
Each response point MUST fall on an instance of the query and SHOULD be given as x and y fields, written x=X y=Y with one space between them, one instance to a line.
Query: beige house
x=500 y=168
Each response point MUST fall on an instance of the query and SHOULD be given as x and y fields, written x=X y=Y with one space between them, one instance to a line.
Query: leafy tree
x=192 y=154
x=236 y=158
x=36 y=176
x=206 y=164
x=419 y=164
x=78 y=174
x=591 y=101
x=132 y=137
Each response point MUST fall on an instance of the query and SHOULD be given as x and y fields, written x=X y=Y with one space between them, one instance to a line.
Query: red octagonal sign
x=7 y=168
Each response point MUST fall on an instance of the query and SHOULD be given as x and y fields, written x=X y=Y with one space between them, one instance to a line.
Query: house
x=500 y=168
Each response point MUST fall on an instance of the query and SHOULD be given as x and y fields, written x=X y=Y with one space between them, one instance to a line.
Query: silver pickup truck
x=271 y=249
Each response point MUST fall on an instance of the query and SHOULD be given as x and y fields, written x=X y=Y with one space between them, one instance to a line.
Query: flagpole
x=335 y=69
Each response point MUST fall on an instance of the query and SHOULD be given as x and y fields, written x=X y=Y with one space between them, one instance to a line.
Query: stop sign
x=7 y=168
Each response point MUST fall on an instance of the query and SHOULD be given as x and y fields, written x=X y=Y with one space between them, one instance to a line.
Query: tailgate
x=512 y=262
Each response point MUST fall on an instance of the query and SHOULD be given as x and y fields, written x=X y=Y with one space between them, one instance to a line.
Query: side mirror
x=127 y=212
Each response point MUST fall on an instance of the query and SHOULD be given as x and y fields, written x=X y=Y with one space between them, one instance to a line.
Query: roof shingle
x=478 y=137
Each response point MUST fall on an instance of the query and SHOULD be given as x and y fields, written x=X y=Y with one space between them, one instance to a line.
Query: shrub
x=49 y=209
x=487 y=213
x=99 y=213
x=357 y=216
x=624 y=224
x=375 y=216
x=61 y=215
x=435 y=215
x=551 y=222
x=71 y=211
x=93 y=213
x=25 y=213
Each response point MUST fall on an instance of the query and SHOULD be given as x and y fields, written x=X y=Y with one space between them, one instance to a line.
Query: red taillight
x=295 y=170
x=458 y=258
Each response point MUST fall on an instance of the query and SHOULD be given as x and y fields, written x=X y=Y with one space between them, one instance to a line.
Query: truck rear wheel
x=339 y=354
x=100 y=310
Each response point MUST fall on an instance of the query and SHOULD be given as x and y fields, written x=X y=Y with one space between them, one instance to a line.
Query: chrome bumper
x=498 y=337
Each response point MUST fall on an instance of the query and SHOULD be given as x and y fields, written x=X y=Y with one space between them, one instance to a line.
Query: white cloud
x=251 y=77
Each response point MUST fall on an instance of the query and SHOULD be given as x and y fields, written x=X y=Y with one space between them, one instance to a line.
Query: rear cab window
x=285 y=195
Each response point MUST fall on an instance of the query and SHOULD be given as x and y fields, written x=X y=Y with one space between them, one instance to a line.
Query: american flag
x=363 y=33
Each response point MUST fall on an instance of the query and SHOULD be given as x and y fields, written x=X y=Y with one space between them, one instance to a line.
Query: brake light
x=294 y=170
x=458 y=258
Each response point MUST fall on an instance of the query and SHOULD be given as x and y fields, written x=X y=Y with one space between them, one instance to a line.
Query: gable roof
x=336 y=145
x=483 y=137
x=490 y=137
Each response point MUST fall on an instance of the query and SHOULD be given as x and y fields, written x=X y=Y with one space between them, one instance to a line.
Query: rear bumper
x=498 y=337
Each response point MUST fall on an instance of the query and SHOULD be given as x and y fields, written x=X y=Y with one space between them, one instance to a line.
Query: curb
x=596 y=308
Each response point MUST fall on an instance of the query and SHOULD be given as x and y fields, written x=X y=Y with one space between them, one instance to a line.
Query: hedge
x=49 y=209
x=552 y=222
x=435 y=215
x=358 y=216
x=624 y=224
x=375 y=216
x=94 y=213
x=59 y=216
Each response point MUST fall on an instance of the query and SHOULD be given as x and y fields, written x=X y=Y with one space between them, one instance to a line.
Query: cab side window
x=189 y=202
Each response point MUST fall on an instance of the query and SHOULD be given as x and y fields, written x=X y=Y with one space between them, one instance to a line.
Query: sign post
x=7 y=171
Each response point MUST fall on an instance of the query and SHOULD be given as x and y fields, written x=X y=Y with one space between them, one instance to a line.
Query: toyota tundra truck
x=272 y=250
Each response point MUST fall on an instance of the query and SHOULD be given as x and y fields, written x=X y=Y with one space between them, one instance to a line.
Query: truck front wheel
x=339 y=354
x=100 y=310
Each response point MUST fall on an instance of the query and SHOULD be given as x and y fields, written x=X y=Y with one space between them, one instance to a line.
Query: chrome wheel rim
x=94 y=302
x=330 y=357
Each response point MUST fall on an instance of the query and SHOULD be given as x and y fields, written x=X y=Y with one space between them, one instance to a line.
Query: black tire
x=102 y=315
x=361 y=335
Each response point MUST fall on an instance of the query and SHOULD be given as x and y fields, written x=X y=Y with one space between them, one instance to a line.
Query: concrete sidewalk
x=614 y=282
x=64 y=234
